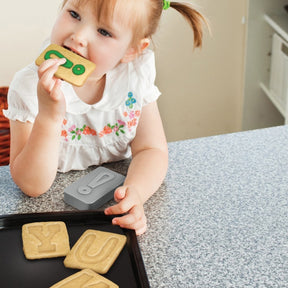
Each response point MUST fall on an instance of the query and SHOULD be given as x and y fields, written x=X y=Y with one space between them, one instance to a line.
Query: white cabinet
x=266 y=67
x=277 y=88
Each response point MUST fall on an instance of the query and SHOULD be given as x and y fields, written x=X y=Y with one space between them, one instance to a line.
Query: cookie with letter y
x=45 y=240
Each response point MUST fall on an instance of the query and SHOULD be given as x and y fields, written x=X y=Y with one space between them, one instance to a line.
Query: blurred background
x=222 y=88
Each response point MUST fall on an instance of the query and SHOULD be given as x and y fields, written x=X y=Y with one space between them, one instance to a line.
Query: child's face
x=105 y=43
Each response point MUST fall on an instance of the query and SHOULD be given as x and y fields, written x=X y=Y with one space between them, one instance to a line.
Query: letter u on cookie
x=95 y=250
x=75 y=70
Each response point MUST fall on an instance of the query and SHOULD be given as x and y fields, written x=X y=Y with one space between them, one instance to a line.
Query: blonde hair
x=146 y=18
x=194 y=18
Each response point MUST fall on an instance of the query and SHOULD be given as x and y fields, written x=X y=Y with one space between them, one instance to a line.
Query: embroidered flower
x=130 y=101
x=64 y=133
x=108 y=129
x=88 y=131
x=121 y=122
x=118 y=128
x=132 y=123
x=77 y=133
x=72 y=128
x=137 y=113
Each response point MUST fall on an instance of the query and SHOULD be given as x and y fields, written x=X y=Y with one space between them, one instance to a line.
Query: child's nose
x=80 y=36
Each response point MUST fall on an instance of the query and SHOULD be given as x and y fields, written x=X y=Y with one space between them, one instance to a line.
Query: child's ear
x=133 y=52
x=144 y=43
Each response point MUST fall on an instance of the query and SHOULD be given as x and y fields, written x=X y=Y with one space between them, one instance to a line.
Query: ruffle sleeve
x=22 y=95
x=146 y=74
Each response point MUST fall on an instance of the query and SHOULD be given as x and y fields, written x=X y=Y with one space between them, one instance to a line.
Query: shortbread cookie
x=75 y=70
x=45 y=240
x=85 y=278
x=96 y=250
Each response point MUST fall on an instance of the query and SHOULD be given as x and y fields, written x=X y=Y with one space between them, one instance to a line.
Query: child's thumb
x=120 y=193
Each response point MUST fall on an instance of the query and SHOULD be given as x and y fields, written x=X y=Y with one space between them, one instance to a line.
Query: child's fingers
x=136 y=214
x=128 y=222
x=141 y=231
x=46 y=65
x=123 y=205
x=120 y=208
x=47 y=70
x=120 y=193
x=126 y=199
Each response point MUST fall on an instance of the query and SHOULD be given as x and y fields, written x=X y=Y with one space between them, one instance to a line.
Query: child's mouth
x=72 y=50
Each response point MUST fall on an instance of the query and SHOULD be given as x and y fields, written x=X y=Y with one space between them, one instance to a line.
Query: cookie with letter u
x=95 y=250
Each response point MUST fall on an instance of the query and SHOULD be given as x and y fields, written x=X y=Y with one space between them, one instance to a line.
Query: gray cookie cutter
x=93 y=190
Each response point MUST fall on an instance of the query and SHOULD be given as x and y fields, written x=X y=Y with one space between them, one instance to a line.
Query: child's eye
x=75 y=15
x=104 y=32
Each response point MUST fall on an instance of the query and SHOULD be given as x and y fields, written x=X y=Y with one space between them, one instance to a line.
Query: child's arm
x=34 y=147
x=146 y=172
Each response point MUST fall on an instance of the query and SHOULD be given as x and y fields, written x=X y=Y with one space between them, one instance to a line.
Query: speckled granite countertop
x=220 y=219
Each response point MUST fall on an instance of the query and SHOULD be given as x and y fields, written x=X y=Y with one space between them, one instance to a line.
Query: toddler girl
x=58 y=127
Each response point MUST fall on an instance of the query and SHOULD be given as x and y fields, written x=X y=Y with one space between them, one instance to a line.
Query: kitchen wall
x=202 y=90
x=23 y=29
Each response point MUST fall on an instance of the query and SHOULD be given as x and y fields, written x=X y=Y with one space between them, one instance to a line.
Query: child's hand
x=50 y=96
x=128 y=202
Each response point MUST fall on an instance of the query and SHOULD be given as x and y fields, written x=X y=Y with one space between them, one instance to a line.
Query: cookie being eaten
x=75 y=70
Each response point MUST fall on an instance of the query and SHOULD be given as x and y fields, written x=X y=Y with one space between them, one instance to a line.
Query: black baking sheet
x=16 y=271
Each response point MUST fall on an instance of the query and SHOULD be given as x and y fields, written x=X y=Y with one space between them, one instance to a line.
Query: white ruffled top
x=92 y=134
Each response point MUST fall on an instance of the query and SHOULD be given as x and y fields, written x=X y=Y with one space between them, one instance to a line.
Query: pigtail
x=194 y=18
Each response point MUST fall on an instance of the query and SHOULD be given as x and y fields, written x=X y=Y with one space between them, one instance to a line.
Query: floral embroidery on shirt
x=117 y=129
x=132 y=120
x=132 y=115
x=130 y=101
x=129 y=121
x=76 y=133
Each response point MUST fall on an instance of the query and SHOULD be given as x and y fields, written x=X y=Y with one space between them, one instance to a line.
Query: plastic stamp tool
x=94 y=189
